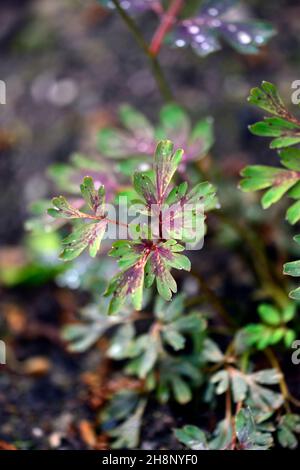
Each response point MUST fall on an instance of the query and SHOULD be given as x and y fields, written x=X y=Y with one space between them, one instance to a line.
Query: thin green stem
x=154 y=63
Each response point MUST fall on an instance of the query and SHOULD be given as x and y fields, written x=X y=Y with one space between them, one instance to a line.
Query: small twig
x=168 y=20
x=155 y=65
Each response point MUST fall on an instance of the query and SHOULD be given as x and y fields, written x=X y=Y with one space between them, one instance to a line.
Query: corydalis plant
x=155 y=250
x=272 y=329
x=284 y=128
x=136 y=143
x=204 y=30
x=244 y=435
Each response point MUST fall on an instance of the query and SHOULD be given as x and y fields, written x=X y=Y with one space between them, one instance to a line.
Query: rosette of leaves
x=284 y=127
x=154 y=356
x=135 y=144
x=244 y=435
x=271 y=330
x=149 y=257
x=249 y=388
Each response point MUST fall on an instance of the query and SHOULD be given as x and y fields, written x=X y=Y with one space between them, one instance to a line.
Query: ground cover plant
x=189 y=305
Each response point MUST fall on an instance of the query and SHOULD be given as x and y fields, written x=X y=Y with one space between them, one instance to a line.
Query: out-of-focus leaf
x=269 y=314
x=192 y=437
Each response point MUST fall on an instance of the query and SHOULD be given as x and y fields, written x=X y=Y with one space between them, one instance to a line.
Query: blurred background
x=68 y=65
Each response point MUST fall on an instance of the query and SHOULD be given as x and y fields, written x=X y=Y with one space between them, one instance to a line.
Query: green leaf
x=289 y=338
x=181 y=390
x=173 y=338
x=295 y=294
x=87 y=235
x=267 y=376
x=287 y=438
x=290 y=158
x=158 y=266
x=269 y=314
x=95 y=199
x=221 y=380
x=293 y=213
x=211 y=351
x=289 y=312
x=203 y=136
x=239 y=387
x=136 y=122
x=292 y=268
x=127 y=434
x=192 y=437
x=258 y=177
x=285 y=141
x=165 y=164
x=267 y=98
x=130 y=281
x=62 y=209
x=145 y=188
x=272 y=127
x=149 y=356
x=175 y=122
x=275 y=194
x=167 y=312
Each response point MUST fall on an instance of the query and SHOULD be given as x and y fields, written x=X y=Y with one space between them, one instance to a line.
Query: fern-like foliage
x=284 y=129
x=153 y=249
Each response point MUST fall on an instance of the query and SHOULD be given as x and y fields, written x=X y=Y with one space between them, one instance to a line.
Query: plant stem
x=155 y=65
x=168 y=20
x=282 y=383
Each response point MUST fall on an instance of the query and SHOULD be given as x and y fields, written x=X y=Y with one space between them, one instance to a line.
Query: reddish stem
x=168 y=20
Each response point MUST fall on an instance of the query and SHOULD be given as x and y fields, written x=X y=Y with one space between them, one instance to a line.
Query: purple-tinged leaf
x=144 y=186
x=162 y=258
x=62 y=209
x=175 y=125
x=246 y=37
x=115 y=143
x=130 y=282
x=137 y=123
x=165 y=164
x=214 y=8
x=95 y=199
x=204 y=31
x=86 y=236
x=202 y=39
